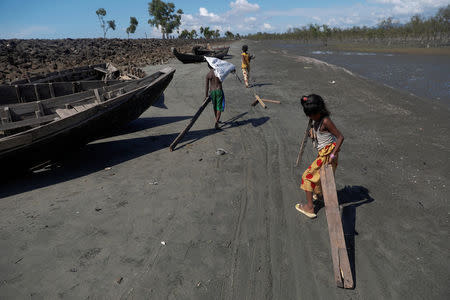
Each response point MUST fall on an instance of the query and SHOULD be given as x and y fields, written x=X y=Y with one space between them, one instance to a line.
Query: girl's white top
x=323 y=138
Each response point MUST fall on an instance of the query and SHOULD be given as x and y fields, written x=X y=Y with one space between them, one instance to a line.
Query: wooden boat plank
x=28 y=122
x=64 y=113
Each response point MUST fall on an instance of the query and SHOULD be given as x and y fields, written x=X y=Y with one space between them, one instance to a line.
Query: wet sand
x=228 y=223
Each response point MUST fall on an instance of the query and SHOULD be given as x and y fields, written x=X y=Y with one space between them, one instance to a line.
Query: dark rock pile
x=19 y=57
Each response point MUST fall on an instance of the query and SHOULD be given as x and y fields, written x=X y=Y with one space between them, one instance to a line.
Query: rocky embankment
x=18 y=57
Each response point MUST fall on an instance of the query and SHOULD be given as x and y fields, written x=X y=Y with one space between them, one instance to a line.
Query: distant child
x=214 y=88
x=246 y=57
x=329 y=140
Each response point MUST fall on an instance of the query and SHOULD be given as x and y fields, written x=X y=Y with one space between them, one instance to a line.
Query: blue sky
x=77 y=19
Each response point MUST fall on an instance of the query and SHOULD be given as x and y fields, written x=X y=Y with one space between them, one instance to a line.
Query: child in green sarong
x=215 y=92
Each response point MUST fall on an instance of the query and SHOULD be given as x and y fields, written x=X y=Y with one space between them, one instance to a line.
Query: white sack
x=221 y=68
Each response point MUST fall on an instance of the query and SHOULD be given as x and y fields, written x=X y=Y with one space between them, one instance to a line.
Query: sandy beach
x=125 y=218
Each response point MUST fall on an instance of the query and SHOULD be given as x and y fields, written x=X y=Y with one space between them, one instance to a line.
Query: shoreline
x=228 y=222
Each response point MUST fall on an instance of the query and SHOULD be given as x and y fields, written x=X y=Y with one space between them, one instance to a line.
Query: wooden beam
x=191 y=123
x=341 y=264
x=260 y=101
x=271 y=101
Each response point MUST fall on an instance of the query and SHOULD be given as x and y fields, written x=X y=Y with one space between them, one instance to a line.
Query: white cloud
x=243 y=6
x=411 y=6
x=250 y=19
x=267 y=26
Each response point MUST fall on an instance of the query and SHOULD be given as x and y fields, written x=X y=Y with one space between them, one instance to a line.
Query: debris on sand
x=119 y=281
x=163 y=243
x=220 y=151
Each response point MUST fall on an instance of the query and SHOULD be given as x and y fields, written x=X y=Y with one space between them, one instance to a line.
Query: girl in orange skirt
x=329 y=140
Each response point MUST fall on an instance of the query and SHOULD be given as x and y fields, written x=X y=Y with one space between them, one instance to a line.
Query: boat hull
x=68 y=134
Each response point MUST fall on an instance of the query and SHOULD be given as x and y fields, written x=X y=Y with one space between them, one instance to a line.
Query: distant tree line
x=431 y=30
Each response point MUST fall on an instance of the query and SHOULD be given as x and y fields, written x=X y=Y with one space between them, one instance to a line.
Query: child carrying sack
x=221 y=68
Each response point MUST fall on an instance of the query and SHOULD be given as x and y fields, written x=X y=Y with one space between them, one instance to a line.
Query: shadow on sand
x=350 y=197
x=97 y=156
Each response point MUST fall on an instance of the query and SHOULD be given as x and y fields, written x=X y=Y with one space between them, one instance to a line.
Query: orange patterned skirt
x=311 y=177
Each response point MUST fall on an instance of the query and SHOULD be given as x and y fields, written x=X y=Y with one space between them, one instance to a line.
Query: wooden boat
x=187 y=58
x=35 y=132
x=198 y=50
x=20 y=93
x=85 y=73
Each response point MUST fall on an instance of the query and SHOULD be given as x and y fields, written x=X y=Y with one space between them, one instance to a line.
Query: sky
x=77 y=19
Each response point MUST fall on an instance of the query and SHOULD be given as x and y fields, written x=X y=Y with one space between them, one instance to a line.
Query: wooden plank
x=36 y=92
x=40 y=111
x=28 y=122
x=52 y=90
x=191 y=123
x=19 y=98
x=303 y=143
x=6 y=116
x=341 y=264
x=260 y=101
x=271 y=101
x=98 y=98
x=64 y=113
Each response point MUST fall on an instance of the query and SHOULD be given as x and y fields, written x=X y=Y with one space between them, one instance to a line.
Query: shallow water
x=423 y=75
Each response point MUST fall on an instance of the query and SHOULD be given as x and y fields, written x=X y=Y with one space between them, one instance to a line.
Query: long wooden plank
x=341 y=264
x=191 y=123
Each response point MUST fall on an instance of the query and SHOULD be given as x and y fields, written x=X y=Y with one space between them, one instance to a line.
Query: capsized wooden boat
x=34 y=132
x=20 y=93
x=85 y=73
x=187 y=58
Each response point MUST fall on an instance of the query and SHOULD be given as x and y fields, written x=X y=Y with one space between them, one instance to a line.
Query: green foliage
x=229 y=35
x=186 y=34
x=164 y=16
x=435 y=29
x=208 y=33
x=105 y=25
x=133 y=25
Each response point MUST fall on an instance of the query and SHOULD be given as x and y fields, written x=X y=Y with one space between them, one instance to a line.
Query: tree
x=184 y=34
x=133 y=25
x=105 y=25
x=164 y=16
x=229 y=35
x=216 y=34
x=207 y=32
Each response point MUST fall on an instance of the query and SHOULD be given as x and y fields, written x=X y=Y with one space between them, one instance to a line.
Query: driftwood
x=303 y=143
x=271 y=101
x=341 y=264
x=191 y=123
